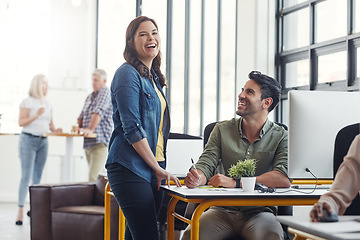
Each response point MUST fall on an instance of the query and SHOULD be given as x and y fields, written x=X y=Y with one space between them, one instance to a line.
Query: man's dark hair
x=269 y=87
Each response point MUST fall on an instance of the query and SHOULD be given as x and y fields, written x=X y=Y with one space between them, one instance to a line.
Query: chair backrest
x=343 y=141
x=182 y=136
x=208 y=129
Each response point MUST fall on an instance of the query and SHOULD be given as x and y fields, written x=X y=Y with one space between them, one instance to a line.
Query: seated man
x=345 y=187
x=252 y=135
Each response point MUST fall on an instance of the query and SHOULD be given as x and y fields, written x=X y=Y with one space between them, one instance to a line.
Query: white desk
x=346 y=228
x=208 y=197
x=67 y=163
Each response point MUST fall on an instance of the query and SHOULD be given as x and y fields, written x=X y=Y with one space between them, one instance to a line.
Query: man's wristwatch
x=237 y=180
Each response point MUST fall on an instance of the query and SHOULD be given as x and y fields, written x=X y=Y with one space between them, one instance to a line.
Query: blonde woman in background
x=35 y=118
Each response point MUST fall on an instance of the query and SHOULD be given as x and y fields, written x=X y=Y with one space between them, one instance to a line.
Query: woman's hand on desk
x=163 y=174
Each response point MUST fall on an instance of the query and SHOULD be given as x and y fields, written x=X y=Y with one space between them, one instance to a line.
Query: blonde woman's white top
x=41 y=125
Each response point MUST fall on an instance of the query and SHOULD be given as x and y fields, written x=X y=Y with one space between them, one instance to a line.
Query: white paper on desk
x=213 y=189
x=337 y=227
x=206 y=189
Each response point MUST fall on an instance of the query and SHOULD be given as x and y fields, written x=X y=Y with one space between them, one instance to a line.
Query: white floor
x=8 y=229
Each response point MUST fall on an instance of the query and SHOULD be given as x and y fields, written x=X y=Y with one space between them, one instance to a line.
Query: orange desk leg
x=170 y=218
x=300 y=235
x=121 y=224
x=107 y=212
x=108 y=195
x=195 y=220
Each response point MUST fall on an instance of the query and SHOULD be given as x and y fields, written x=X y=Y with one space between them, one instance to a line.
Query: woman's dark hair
x=130 y=53
x=269 y=87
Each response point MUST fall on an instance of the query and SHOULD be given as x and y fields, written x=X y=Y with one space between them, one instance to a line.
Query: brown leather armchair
x=71 y=211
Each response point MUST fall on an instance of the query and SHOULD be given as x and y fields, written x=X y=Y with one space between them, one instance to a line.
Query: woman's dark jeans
x=139 y=200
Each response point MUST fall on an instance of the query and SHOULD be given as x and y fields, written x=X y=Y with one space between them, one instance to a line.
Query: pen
x=193 y=164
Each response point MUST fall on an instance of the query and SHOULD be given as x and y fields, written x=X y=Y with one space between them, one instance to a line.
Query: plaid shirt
x=98 y=102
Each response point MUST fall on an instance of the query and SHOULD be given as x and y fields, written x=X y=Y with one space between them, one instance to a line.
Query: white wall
x=69 y=65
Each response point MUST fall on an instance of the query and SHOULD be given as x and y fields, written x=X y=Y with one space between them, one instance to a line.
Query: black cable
x=299 y=191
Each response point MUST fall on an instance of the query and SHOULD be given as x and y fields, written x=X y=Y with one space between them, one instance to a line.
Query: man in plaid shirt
x=96 y=117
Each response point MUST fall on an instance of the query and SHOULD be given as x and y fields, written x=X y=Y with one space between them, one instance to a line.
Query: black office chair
x=343 y=141
x=207 y=131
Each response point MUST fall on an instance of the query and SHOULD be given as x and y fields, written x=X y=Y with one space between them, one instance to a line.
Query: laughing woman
x=136 y=161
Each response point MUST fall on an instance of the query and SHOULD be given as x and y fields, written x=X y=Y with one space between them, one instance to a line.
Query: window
x=290 y=3
x=210 y=57
x=332 y=67
x=296 y=29
x=318 y=46
x=330 y=19
x=358 y=63
x=297 y=73
x=357 y=15
x=227 y=58
x=284 y=109
x=176 y=81
x=195 y=68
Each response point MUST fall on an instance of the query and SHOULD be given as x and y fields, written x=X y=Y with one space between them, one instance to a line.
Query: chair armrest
x=46 y=197
x=40 y=218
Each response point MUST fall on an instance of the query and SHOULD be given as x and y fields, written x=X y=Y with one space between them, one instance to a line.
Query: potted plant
x=245 y=170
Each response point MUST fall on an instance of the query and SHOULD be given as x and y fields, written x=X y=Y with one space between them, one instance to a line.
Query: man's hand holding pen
x=192 y=179
x=195 y=177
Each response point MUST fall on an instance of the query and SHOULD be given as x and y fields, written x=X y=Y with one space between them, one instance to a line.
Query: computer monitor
x=315 y=117
x=179 y=154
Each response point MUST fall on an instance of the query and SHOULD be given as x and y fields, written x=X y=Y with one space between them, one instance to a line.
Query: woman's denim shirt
x=136 y=115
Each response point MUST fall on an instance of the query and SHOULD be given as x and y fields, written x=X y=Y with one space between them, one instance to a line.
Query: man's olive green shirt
x=228 y=144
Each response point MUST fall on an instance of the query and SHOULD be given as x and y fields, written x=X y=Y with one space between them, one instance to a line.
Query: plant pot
x=248 y=184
